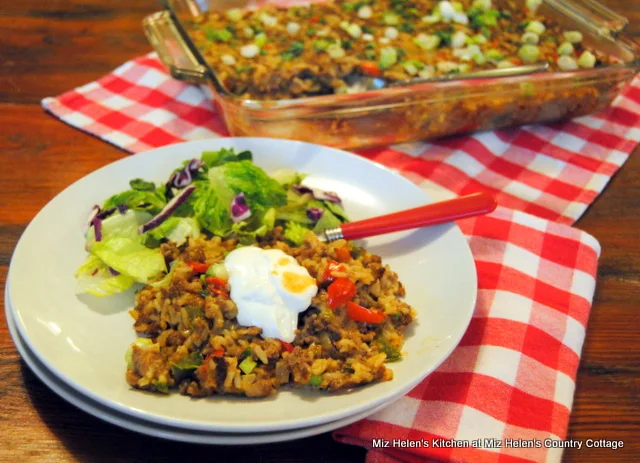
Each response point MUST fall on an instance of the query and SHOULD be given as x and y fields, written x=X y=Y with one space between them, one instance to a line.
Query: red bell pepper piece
x=361 y=314
x=370 y=68
x=332 y=268
x=340 y=291
x=216 y=281
x=286 y=346
x=343 y=254
x=198 y=267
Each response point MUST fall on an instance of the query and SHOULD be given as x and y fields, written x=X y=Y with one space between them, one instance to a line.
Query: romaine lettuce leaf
x=260 y=190
x=141 y=200
x=120 y=224
x=93 y=277
x=295 y=233
x=224 y=155
x=176 y=229
x=130 y=257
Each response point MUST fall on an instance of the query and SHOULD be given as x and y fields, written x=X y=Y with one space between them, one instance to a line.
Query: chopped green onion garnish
x=234 y=14
x=529 y=53
x=587 y=60
x=494 y=55
x=391 y=19
x=321 y=45
x=388 y=57
x=565 y=48
x=427 y=42
x=261 y=39
x=530 y=38
x=572 y=36
x=536 y=27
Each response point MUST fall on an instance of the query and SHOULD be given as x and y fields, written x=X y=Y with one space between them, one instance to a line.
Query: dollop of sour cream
x=270 y=289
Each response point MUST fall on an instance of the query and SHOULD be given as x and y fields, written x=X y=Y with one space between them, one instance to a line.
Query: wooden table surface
x=47 y=47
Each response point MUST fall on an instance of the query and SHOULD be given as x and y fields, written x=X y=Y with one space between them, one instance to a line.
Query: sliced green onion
x=482 y=4
x=412 y=67
x=565 y=49
x=458 y=39
x=391 y=19
x=494 y=55
x=336 y=51
x=247 y=365
x=321 y=45
x=587 y=60
x=529 y=53
x=427 y=42
x=536 y=27
x=533 y=5
x=530 y=38
x=479 y=58
x=316 y=380
x=354 y=31
x=431 y=18
x=457 y=6
x=388 y=57
x=567 y=63
x=234 y=14
x=248 y=32
x=477 y=39
x=260 y=39
x=572 y=36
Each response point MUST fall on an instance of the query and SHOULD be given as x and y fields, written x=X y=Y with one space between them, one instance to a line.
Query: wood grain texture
x=48 y=47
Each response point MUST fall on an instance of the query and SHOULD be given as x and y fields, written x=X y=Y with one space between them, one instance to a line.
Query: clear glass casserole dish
x=417 y=111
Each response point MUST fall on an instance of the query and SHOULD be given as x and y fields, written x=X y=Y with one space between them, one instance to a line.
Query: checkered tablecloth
x=513 y=375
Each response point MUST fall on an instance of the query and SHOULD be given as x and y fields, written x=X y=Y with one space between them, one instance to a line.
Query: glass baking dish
x=417 y=111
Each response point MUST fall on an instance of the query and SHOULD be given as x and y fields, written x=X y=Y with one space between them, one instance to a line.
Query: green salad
x=221 y=194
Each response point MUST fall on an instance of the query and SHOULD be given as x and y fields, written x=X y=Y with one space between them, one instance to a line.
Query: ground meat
x=197 y=345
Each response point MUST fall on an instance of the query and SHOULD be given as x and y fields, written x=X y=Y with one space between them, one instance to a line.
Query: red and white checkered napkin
x=512 y=377
x=553 y=171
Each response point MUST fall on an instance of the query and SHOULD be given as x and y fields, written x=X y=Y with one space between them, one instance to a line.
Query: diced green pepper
x=247 y=365
x=294 y=50
x=315 y=381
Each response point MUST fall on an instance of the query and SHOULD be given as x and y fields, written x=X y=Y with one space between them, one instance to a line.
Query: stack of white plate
x=76 y=343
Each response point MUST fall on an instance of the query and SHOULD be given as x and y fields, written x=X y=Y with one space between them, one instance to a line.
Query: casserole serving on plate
x=359 y=74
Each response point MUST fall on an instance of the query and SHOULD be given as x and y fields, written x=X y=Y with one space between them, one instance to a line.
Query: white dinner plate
x=158 y=430
x=82 y=339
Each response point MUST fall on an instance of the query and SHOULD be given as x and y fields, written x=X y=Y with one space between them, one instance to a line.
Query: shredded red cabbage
x=97 y=228
x=318 y=194
x=315 y=213
x=184 y=177
x=239 y=208
x=168 y=210
x=113 y=272
x=92 y=215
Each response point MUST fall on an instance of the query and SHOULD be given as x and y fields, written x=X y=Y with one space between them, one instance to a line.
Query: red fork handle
x=431 y=214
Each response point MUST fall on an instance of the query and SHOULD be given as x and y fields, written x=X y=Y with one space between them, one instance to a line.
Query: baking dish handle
x=165 y=37
x=593 y=13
